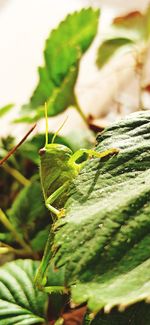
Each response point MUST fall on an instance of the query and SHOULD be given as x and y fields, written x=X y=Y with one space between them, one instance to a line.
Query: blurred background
x=24 y=27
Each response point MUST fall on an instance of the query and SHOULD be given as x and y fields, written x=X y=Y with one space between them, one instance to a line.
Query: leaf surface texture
x=103 y=242
x=20 y=302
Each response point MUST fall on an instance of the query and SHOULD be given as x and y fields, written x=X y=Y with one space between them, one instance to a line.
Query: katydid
x=58 y=168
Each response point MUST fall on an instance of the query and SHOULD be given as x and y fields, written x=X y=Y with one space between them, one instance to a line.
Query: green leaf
x=4 y=110
x=20 y=302
x=59 y=99
x=63 y=51
x=6 y=237
x=109 y=48
x=103 y=242
x=39 y=241
x=28 y=213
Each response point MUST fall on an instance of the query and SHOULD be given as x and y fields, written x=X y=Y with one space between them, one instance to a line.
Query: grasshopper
x=58 y=168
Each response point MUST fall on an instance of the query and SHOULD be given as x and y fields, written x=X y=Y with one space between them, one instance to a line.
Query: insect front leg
x=91 y=153
x=48 y=202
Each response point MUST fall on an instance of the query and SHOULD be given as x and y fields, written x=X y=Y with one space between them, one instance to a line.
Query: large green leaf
x=103 y=242
x=20 y=302
x=62 y=53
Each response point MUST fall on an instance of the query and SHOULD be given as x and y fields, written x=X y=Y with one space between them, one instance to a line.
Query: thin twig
x=18 y=145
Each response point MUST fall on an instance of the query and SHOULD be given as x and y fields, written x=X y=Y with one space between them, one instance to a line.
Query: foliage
x=35 y=216
x=99 y=252
x=5 y=109
x=20 y=302
x=63 y=51
x=109 y=48
x=112 y=235
x=131 y=30
x=138 y=314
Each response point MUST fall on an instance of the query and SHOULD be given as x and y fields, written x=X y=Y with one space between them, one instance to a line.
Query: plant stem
x=78 y=108
x=140 y=61
x=139 y=75
x=9 y=226
x=9 y=249
x=4 y=250
x=16 y=174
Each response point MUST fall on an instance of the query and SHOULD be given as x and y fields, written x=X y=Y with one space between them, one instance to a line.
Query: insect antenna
x=17 y=146
x=56 y=133
x=46 y=126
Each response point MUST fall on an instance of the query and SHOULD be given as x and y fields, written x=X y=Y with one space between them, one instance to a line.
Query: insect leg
x=40 y=279
x=91 y=153
x=53 y=197
x=79 y=153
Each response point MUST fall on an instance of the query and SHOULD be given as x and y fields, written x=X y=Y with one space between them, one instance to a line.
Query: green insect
x=58 y=168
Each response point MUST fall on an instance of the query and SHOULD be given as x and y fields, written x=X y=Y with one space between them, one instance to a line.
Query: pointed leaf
x=62 y=53
x=103 y=242
x=20 y=302
x=4 y=110
x=109 y=48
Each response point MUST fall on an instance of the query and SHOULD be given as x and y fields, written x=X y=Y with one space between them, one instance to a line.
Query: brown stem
x=18 y=145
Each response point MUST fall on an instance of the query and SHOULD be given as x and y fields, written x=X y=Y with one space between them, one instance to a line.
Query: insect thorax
x=55 y=169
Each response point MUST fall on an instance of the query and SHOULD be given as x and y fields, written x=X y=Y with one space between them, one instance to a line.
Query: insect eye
x=42 y=151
